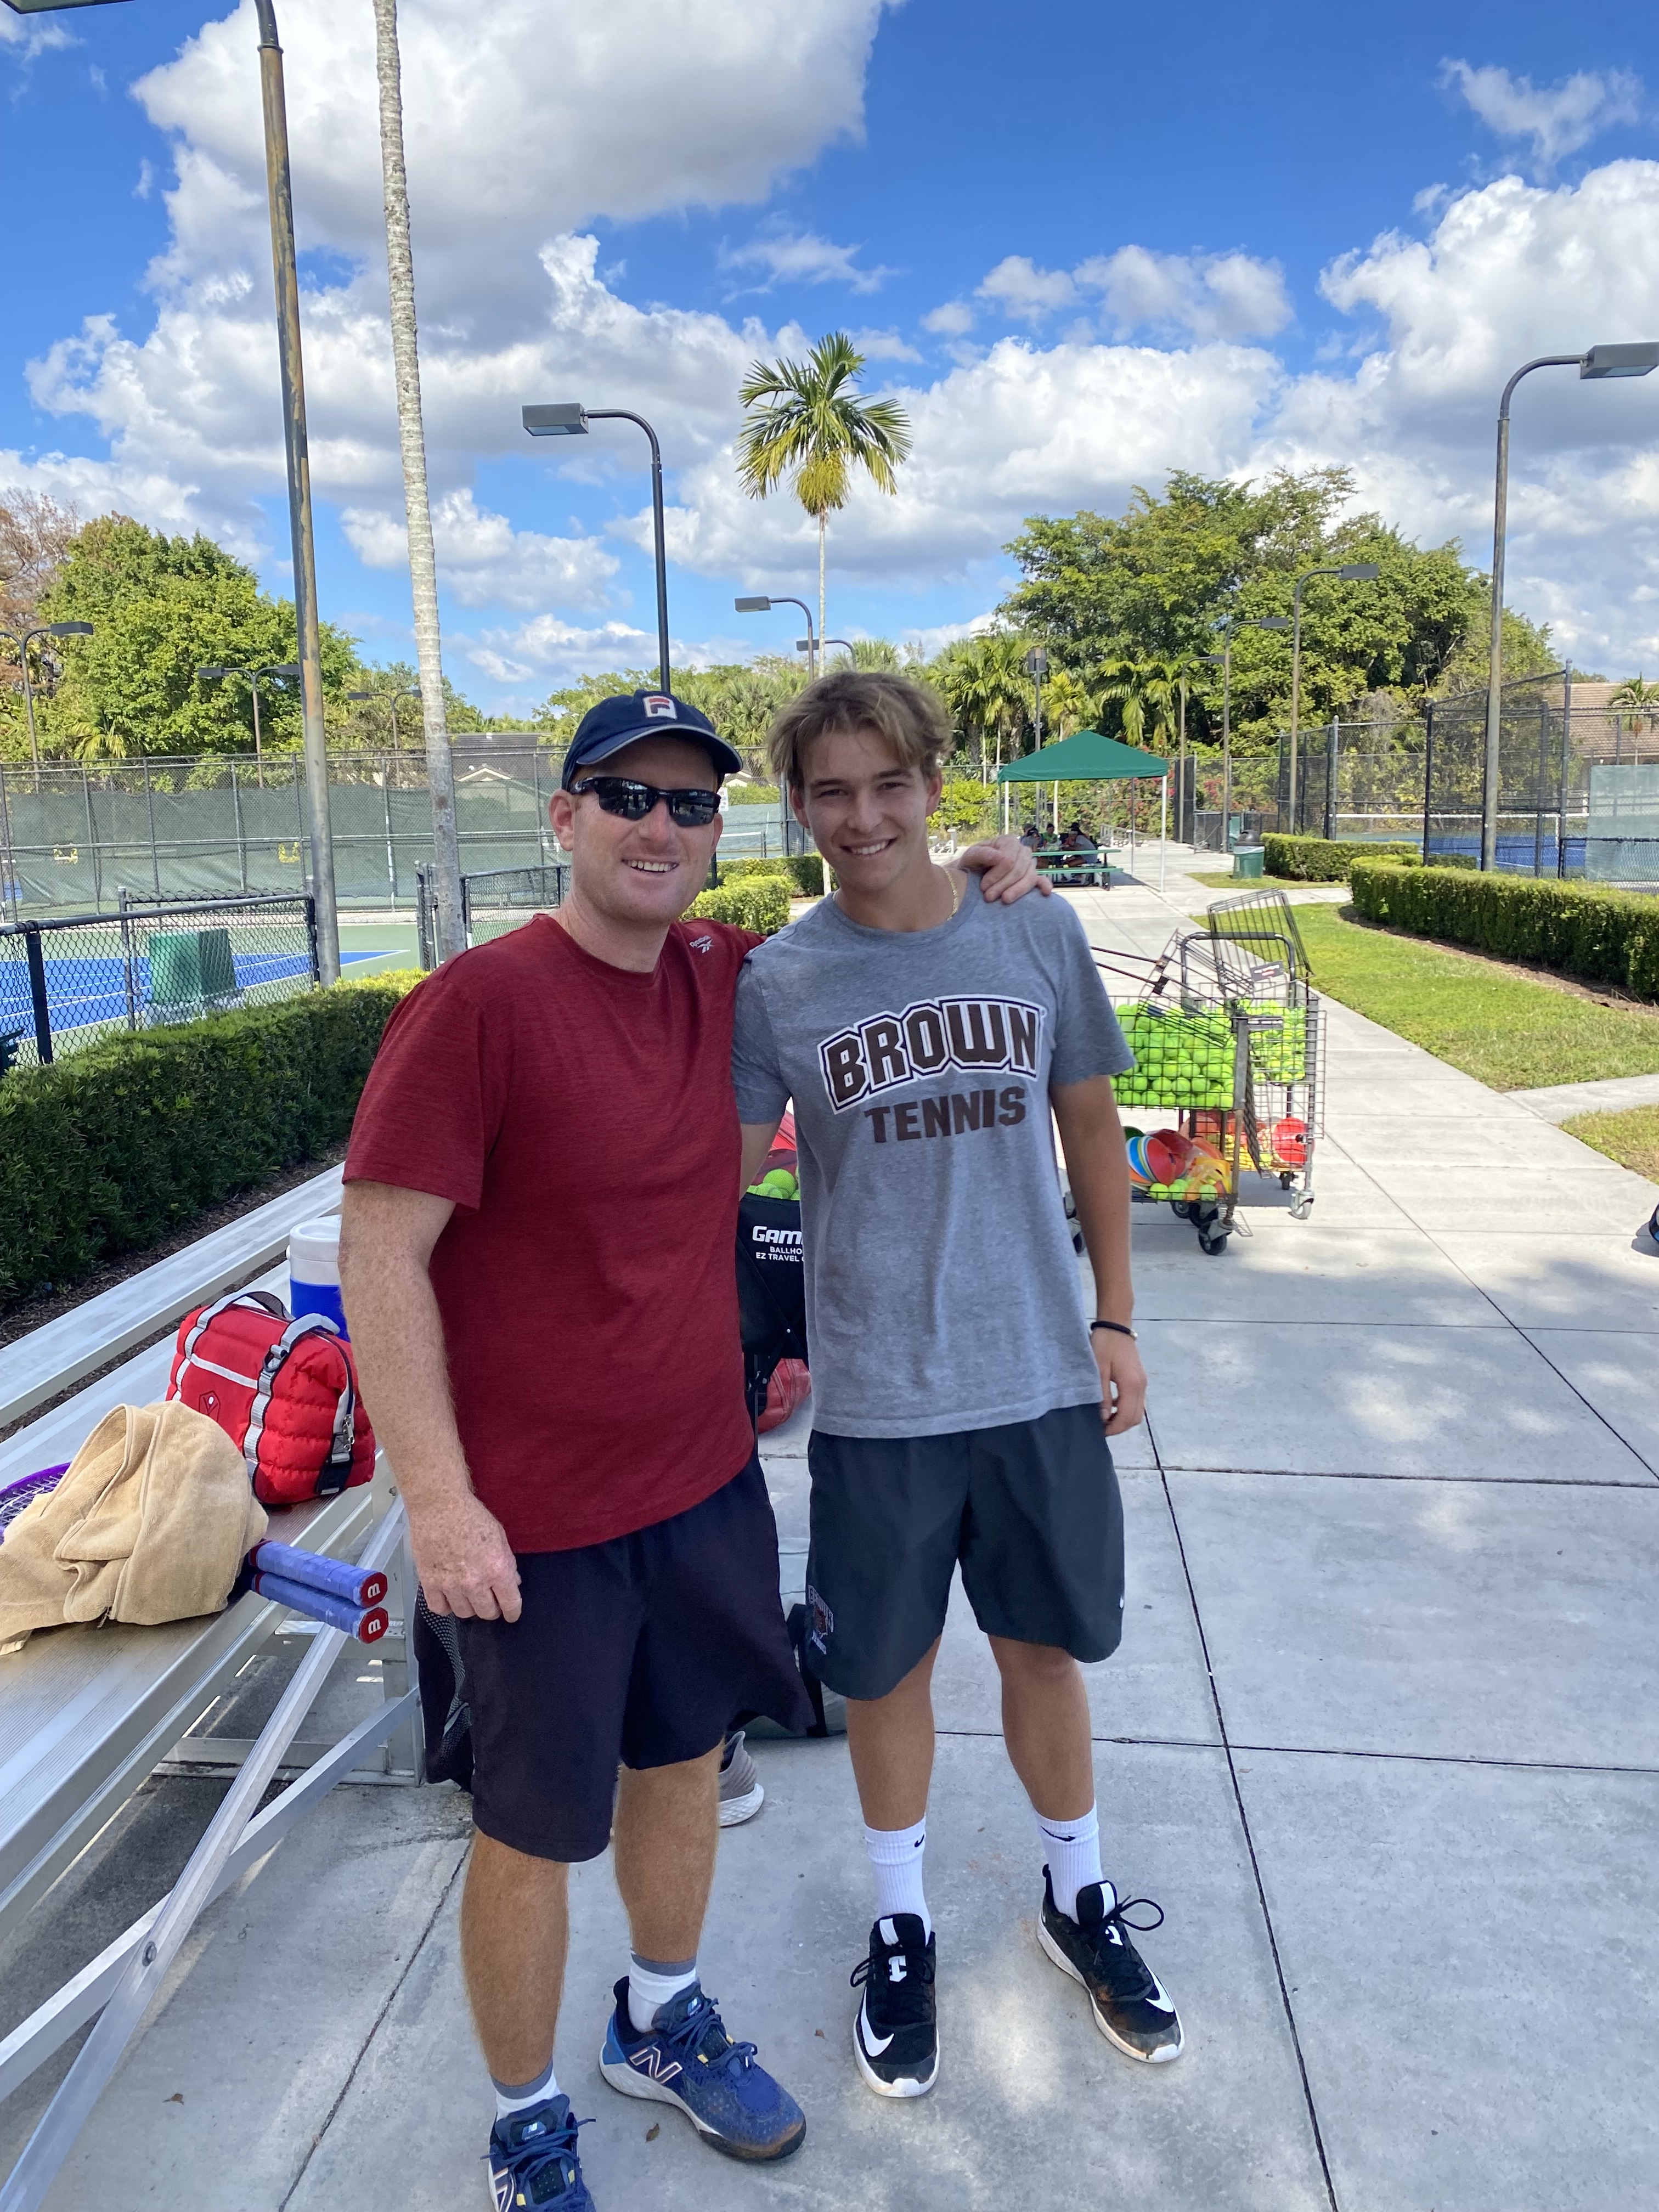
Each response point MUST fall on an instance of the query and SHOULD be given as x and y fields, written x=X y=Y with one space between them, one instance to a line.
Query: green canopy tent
x=1087 y=757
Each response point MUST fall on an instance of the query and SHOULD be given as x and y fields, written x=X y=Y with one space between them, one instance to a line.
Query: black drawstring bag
x=771 y=1290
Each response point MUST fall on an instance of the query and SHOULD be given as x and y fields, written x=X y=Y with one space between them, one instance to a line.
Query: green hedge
x=1324 y=859
x=804 y=870
x=757 y=903
x=1602 y=937
x=109 y=1151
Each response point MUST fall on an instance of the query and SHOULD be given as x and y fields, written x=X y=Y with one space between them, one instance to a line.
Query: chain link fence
x=70 y=979
x=75 y=837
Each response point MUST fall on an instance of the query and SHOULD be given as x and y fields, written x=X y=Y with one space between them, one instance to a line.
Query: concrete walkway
x=1383 y=1740
x=1614 y=1094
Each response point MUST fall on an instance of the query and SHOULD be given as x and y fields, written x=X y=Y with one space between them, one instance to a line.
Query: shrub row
x=757 y=902
x=109 y=1151
x=1323 y=859
x=804 y=870
x=1600 y=936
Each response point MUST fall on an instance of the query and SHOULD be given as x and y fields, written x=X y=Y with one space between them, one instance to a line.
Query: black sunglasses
x=620 y=794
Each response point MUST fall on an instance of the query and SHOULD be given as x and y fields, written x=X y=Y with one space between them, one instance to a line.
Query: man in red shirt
x=538 y=1260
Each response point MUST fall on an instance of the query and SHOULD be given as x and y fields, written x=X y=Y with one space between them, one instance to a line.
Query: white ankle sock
x=897 y=1854
x=509 y=2101
x=651 y=1985
x=1071 y=1850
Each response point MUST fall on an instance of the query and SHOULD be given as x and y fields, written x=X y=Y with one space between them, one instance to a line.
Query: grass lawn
x=1225 y=880
x=1632 y=1138
x=1505 y=1028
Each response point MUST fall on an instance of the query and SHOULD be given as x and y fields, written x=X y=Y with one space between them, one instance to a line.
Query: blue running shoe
x=533 y=2163
x=686 y=2059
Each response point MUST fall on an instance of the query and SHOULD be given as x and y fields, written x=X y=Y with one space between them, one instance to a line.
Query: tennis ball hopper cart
x=1225 y=1028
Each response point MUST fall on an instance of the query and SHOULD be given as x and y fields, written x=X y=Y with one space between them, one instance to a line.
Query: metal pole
x=259 y=748
x=9 y=855
x=1538 y=791
x=1296 y=688
x=28 y=709
x=299 y=489
x=660 y=543
x=1566 y=751
x=1227 y=744
x=241 y=836
x=1489 y=794
x=149 y=812
x=128 y=976
x=39 y=1003
x=1428 y=776
x=1164 y=830
x=1332 y=754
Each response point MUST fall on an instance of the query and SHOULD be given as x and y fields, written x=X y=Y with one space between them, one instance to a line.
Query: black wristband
x=1121 y=1328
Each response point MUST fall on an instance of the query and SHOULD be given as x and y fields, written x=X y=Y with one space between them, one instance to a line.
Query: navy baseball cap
x=616 y=722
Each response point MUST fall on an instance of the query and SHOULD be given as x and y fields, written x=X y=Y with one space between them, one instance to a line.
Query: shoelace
x=528 y=2161
x=1118 y=1954
x=692 y=2038
x=903 y=2001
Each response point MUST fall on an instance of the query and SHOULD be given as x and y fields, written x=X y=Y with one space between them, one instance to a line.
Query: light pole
x=409 y=691
x=1224 y=661
x=1037 y=667
x=290 y=669
x=760 y=606
x=1601 y=362
x=570 y=419
x=23 y=643
x=1348 y=572
x=280 y=193
x=846 y=645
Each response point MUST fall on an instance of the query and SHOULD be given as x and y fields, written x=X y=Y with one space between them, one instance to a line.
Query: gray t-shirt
x=942 y=1291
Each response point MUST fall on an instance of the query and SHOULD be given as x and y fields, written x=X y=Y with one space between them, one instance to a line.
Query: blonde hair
x=906 y=715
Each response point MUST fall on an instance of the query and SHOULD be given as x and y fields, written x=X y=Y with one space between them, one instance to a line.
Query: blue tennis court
x=81 y=991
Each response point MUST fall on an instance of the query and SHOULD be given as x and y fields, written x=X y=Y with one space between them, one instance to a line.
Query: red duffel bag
x=285 y=1392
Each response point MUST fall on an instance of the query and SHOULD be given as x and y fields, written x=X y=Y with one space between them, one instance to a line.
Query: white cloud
x=884 y=345
x=27 y=37
x=1022 y=289
x=1214 y=295
x=485 y=562
x=801 y=256
x=952 y=321
x=1558 y=119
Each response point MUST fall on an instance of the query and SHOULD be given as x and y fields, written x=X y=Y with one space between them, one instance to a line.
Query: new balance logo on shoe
x=651 y=2059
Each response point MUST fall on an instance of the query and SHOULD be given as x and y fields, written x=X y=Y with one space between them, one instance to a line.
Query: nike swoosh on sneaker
x=875 y=2044
x=1163 y=2003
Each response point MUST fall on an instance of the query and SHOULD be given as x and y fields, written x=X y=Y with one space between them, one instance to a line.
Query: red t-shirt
x=582 y=1119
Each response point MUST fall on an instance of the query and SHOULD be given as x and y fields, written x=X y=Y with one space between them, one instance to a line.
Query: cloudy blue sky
x=1085 y=243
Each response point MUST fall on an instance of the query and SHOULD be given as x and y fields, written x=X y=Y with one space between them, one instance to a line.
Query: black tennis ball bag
x=771 y=1290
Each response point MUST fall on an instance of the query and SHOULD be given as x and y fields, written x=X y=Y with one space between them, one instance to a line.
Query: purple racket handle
x=367 y=1626
x=356 y=1586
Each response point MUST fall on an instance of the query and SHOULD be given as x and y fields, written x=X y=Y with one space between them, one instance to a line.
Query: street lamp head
x=1619 y=361
x=69 y=629
x=1037 y=661
x=209 y=675
x=1270 y=622
x=1357 y=572
x=349 y=695
x=288 y=668
x=753 y=606
x=567 y=419
x=804 y=644
x=47 y=7
x=1213 y=659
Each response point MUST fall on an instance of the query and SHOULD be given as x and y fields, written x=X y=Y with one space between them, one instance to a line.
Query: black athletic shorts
x=1030 y=1510
x=637 y=1652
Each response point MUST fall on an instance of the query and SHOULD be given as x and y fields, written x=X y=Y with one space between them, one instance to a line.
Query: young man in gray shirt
x=962 y=1396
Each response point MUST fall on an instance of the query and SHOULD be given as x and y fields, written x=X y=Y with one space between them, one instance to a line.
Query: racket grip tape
x=365 y=1624
x=357 y=1586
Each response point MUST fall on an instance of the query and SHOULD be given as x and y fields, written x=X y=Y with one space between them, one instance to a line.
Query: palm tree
x=1640 y=701
x=1148 y=693
x=987 y=688
x=805 y=420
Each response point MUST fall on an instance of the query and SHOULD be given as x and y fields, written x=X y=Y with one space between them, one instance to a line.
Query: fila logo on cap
x=660 y=707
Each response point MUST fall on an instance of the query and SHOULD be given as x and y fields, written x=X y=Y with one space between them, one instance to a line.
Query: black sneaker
x=895 y=2035
x=1128 y=2001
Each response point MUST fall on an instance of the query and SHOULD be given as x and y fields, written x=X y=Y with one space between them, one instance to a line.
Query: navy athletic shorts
x=1031 y=1511
x=638 y=1652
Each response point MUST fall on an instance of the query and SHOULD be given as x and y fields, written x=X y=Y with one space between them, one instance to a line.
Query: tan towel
x=150 y=1523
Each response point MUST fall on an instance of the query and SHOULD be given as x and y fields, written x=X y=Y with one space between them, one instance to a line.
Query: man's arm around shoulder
x=464 y=1562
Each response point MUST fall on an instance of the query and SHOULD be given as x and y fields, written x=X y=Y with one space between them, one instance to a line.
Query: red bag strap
x=258 y=1301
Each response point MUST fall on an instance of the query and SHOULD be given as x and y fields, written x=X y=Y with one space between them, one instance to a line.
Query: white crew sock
x=509 y=2100
x=1071 y=1850
x=897 y=1855
x=652 y=1984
